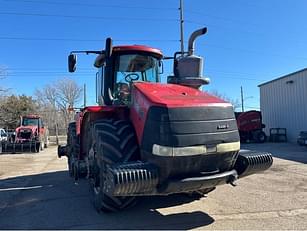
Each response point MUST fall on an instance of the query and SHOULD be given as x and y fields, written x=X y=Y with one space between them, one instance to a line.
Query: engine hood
x=21 y=128
x=174 y=95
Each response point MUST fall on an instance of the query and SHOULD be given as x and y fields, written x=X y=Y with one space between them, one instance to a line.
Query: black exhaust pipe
x=192 y=38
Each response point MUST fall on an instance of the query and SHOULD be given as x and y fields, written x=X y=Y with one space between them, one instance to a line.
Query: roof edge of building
x=284 y=76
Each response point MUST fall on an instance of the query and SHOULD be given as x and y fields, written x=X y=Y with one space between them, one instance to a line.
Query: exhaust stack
x=188 y=69
x=193 y=37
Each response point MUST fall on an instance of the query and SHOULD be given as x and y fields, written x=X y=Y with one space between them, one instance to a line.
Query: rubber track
x=115 y=143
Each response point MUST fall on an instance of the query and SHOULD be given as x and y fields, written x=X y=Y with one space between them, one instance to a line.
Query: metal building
x=283 y=103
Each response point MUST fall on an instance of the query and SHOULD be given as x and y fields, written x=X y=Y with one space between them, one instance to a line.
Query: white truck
x=3 y=135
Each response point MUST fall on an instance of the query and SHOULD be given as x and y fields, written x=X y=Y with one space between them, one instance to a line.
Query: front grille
x=25 y=134
x=182 y=127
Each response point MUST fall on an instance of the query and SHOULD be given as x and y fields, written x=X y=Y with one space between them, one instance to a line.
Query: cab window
x=130 y=68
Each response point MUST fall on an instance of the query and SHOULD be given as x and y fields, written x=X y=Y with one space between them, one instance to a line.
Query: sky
x=248 y=42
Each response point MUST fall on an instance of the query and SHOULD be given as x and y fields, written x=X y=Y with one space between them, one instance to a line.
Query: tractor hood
x=26 y=128
x=179 y=116
x=174 y=95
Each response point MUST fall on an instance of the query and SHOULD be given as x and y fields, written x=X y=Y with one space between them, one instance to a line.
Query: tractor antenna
x=181 y=27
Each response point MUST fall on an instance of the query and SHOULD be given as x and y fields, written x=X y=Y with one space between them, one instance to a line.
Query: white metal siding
x=284 y=105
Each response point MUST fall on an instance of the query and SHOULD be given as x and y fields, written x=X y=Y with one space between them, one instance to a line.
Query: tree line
x=50 y=102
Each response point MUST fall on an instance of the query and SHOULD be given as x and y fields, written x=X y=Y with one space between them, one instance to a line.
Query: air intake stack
x=188 y=68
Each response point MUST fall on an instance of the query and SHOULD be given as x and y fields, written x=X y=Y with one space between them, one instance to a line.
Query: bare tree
x=55 y=99
x=68 y=93
x=235 y=102
x=3 y=74
x=46 y=99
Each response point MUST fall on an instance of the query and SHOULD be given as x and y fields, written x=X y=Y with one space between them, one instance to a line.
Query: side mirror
x=72 y=60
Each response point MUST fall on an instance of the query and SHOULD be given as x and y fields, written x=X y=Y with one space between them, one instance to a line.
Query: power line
x=220 y=18
x=52 y=74
x=43 y=69
x=252 y=32
x=242 y=78
x=88 y=17
x=45 y=72
x=217 y=25
x=150 y=40
x=253 y=51
x=93 y=5
x=84 y=40
x=85 y=70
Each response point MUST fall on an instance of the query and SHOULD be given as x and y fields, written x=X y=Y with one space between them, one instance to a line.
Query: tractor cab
x=119 y=67
x=30 y=121
x=130 y=64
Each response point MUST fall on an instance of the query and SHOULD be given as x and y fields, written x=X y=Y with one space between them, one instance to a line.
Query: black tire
x=113 y=142
x=46 y=142
x=260 y=137
x=42 y=145
x=72 y=147
x=37 y=147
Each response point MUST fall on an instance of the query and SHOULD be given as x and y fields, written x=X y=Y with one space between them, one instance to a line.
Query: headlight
x=178 y=151
x=195 y=150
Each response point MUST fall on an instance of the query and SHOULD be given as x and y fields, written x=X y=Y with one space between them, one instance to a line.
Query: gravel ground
x=36 y=193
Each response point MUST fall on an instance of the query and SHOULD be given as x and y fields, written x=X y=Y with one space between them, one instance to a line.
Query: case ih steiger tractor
x=30 y=136
x=148 y=138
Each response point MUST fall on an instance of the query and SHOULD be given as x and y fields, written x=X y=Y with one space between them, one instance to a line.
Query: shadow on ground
x=53 y=201
x=287 y=151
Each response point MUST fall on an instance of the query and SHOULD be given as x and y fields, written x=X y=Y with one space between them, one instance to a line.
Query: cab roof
x=32 y=116
x=138 y=48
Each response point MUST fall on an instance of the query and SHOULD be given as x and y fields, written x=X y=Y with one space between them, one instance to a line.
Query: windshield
x=30 y=122
x=130 y=68
x=135 y=67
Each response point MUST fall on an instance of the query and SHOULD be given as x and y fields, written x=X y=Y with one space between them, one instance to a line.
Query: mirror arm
x=88 y=52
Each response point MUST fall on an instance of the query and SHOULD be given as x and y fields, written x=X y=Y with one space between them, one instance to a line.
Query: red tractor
x=149 y=138
x=32 y=130
x=30 y=136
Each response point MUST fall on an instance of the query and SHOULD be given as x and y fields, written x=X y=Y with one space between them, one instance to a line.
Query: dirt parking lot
x=36 y=193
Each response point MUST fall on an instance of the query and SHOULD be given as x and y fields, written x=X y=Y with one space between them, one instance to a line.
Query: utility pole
x=181 y=27
x=242 y=99
x=84 y=96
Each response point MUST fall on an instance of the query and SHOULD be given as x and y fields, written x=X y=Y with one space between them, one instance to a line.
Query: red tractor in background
x=149 y=138
x=32 y=130
x=250 y=126
x=30 y=136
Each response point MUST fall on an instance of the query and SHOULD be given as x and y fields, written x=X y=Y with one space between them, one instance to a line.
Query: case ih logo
x=222 y=126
